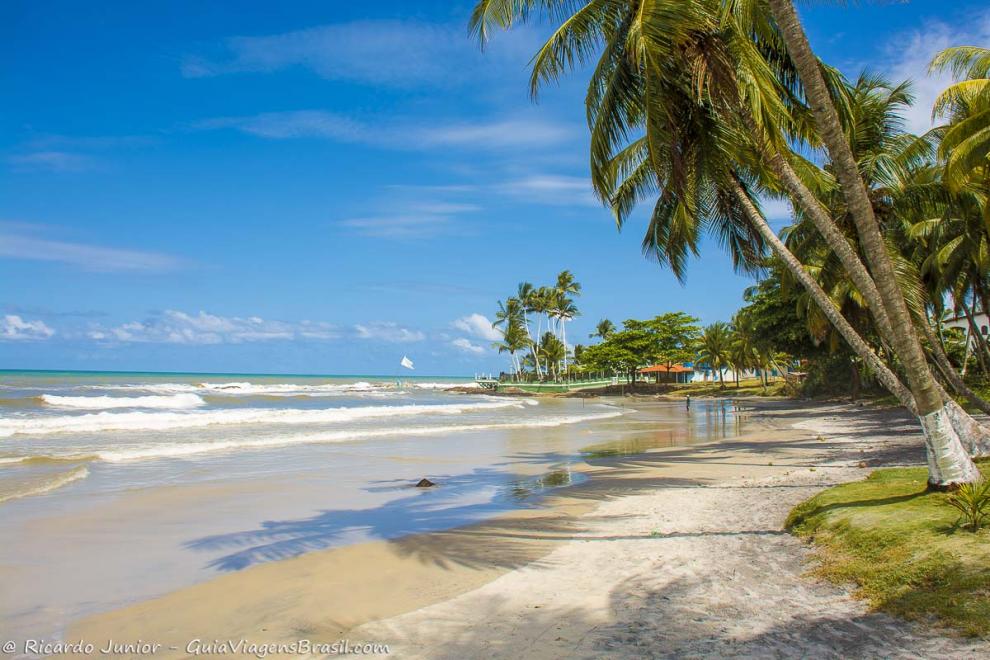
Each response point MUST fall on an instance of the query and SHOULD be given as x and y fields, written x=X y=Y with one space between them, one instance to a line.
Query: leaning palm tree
x=703 y=59
x=934 y=411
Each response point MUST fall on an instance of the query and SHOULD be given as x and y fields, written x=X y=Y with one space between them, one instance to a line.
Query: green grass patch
x=747 y=387
x=902 y=547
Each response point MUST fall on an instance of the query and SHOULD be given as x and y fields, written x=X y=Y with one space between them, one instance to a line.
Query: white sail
x=406 y=362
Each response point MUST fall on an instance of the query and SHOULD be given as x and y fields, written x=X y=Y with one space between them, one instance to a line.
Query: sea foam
x=188 y=449
x=164 y=421
x=173 y=401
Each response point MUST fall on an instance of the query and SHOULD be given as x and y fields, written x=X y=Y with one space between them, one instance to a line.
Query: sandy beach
x=670 y=552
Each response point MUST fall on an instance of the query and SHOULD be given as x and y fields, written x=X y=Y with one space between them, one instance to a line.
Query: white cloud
x=478 y=325
x=466 y=346
x=402 y=54
x=399 y=226
x=421 y=219
x=397 y=134
x=15 y=328
x=388 y=331
x=52 y=161
x=91 y=257
x=176 y=327
x=551 y=189
x=777 y=211
x=909 y=55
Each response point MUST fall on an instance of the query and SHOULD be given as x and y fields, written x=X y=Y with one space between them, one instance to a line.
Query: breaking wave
x=185 y=449
x=164 y=421
x=41 y=486
x=174 y=401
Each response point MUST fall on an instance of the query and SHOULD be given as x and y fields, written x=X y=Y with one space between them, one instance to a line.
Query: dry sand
x=675 y=552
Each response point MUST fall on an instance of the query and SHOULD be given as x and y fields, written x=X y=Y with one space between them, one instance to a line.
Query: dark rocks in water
x=425 y=483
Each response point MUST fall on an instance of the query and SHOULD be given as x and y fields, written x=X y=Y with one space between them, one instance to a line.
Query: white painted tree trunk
x=532 y=346
x=563 y=340
x=975 y=438
x=948 y=460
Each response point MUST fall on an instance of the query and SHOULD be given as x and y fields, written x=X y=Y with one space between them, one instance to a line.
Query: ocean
x=116 y=487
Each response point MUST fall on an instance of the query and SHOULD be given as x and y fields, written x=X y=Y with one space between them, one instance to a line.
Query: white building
x=982 y=323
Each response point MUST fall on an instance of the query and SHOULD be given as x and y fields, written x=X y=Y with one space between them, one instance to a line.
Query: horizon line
x=218 y=373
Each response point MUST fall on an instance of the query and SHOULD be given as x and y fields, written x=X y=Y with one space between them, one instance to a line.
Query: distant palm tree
x=553 y=352
x=513 y=340
x=743 y=352
x=525 y=293
x=714 y=348
x=509 y=313
x=603 y=330
x=565 y=309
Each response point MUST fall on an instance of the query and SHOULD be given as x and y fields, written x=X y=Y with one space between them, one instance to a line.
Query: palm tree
x=566 y=310
x=642 y=64
x=603 y=330
x=513 y=340
x=966 y=140
x=509 y=313
x=950 y=464
x=525 y=293
x=714 y=348
x=743 y=347
x=552 y=350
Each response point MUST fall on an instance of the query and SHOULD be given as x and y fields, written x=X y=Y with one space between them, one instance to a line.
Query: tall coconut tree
x=525 y=293
x=567 y=288
x=947 y=463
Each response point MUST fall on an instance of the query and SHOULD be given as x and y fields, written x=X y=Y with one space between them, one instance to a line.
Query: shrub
x=973 y=503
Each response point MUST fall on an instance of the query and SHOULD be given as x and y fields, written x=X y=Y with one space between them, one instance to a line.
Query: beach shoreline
x=510 y=567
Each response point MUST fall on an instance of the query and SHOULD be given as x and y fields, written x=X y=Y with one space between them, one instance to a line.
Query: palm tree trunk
x=983 y=351
x=532 y=344
x=886 y=377
x=950 y=465
x=947 y=370
x=836 y=240
x=563 y=340
x=972 y=436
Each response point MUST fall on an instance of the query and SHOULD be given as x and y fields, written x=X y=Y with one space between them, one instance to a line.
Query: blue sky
x=323 y=187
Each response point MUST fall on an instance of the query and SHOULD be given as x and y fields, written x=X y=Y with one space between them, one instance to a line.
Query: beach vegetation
x=667 y=339
x=902 y=545
x=550 y=308
x=973 y=503
x=714 y=348
x=706 y=109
